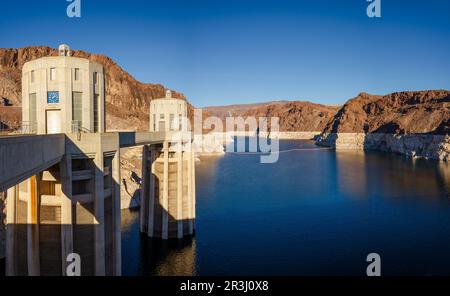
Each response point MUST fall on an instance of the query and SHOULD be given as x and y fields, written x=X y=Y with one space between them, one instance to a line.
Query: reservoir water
x=311 y=213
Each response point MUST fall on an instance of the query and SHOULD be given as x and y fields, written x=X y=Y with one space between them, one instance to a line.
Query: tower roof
x=64 y=50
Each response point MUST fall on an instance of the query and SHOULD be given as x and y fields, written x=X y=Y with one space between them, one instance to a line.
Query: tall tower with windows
x=73 y=206
x=168 y=174
x=168 y=114
x=63 y=94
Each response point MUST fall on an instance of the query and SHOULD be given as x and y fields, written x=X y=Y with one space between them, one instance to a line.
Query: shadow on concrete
x=90 y=240
x=39 y=246
x=135 y=200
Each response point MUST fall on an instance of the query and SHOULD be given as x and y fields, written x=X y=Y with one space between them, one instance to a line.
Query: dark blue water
x=311 y=213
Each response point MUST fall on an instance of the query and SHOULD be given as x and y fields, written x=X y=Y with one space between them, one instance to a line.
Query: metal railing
x=77 y=128
x=28 y=127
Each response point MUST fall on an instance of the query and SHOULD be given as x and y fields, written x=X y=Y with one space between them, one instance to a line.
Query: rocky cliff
x=10 y=118
x=237 y=109
x=295 y=116
x=411 y=123
x=402 y=112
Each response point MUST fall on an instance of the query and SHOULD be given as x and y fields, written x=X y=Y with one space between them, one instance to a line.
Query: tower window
x=77 y=110
x=52 y=73
x=172 y=122
x=96 y=122
x=32 y=76
x=77 y=74
x=33 y=113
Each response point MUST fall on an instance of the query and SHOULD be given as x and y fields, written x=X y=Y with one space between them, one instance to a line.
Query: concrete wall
x=73 y=206
x=23 y=156
x=168 y=191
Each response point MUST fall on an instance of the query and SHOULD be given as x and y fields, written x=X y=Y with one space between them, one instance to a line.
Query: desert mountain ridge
x=222 y=111
x=408 y=112
x=294 y=115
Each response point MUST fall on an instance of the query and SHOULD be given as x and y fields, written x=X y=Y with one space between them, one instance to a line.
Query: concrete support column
x=183 y=206
x=152 y=192
x=194 y=190
x=190 y=197
x=2 y=224
x=99 y=211
x=11 y=204
x=165 y=200
x=33 y=225
x=117 y=248
x=144 y=207
x=66 y=210
x=180 y=191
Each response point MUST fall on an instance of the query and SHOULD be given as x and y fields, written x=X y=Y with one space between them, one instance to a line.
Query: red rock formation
x=397 y=113
x=10 y=118
x=236 y=110
x=294 y=116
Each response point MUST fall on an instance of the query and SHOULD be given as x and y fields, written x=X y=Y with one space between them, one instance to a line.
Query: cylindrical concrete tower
x=63 y=94
x=72 y=207
x=168 y=174
x=168 y=114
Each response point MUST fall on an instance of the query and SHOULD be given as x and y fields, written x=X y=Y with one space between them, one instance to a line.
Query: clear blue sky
x=240 y=51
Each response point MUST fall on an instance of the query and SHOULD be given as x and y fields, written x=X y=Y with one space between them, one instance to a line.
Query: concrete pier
x=68 y=199
x=72 y=207
x=168 y=191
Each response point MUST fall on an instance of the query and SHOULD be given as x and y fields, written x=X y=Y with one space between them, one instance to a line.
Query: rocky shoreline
x=426 y=146
x=294 y=135
x=283 y=135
